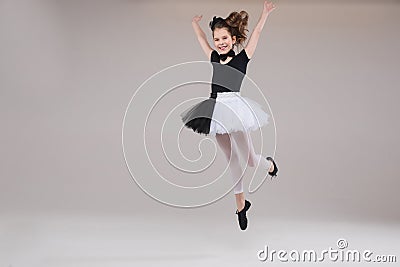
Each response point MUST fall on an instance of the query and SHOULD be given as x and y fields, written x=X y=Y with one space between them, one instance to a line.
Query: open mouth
x=223 y=47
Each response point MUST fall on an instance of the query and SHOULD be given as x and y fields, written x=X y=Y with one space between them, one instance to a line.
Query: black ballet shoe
x=273 y=173
x=242 y=215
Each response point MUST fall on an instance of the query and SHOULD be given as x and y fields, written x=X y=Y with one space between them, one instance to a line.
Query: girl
x=226 y=114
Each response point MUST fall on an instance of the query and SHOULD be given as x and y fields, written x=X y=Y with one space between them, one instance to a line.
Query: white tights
x=240 y=142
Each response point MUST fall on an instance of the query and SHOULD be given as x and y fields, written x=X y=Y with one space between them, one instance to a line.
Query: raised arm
x=201 y=36
x=252 y=43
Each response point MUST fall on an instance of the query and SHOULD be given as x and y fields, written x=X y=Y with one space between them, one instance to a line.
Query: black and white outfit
x=226 y=111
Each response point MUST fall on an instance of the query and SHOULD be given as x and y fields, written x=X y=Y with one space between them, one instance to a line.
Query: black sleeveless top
x=228 y=77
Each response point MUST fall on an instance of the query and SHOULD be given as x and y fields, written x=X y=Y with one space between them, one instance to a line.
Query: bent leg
x=245 y=145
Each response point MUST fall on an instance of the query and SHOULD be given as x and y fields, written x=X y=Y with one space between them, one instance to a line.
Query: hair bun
x=214 y=21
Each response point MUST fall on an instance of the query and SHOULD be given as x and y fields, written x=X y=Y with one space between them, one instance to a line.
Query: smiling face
x=223 y=40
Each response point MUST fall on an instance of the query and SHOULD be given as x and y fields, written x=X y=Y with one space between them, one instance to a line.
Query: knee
x=252 y=161
x=233 y=157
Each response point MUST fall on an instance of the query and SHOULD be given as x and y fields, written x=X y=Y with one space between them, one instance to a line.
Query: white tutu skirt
x=228 y=112
x=233 y=112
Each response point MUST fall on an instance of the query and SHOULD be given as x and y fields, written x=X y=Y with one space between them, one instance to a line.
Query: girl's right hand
x=268 y=7
x=197 y=18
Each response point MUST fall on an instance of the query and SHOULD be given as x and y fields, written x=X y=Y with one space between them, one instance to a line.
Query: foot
x=241 y=205
x=273 y=170
x=242 y=218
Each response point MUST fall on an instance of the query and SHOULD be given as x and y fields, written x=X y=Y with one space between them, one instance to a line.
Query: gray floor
x=88 y=240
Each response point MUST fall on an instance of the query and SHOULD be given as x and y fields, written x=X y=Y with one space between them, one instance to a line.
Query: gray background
x=68 y=70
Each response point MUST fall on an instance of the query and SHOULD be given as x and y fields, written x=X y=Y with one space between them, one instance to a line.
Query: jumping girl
x=226 y=114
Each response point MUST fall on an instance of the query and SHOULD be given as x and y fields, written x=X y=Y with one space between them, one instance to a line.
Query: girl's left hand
x=268 y=7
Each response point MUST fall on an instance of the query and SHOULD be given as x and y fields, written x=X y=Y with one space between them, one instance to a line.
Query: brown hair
x=235 y=23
